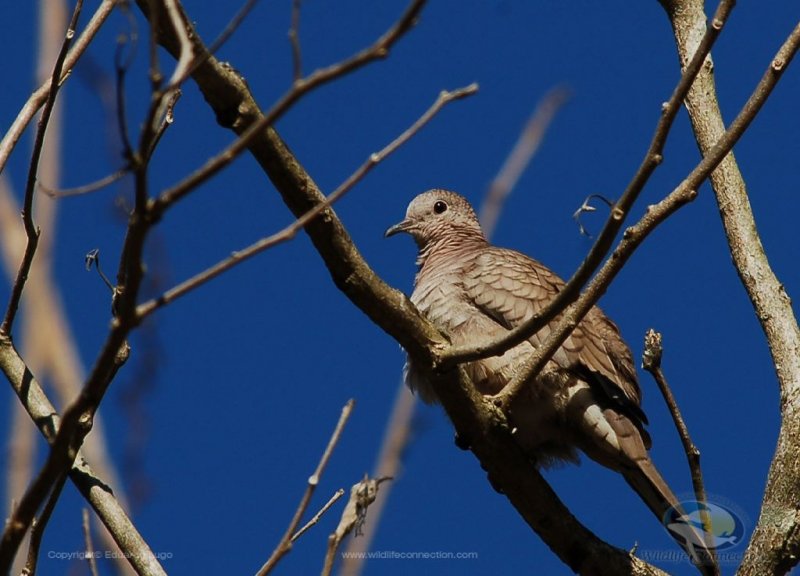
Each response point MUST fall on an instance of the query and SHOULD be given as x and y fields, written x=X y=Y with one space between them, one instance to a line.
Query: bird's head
x=439 y=216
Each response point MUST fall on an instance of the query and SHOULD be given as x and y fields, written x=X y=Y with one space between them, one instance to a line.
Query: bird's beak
x=404 y=226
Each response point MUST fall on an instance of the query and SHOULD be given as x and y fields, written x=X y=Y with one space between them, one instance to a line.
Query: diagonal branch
x=655 y=215
x=286 y=542
x=290 y=231
x=569 y=293
x=186 y=47
x=30 y=188
x=378 y=50
x=651 y=361
x=94 y=489
x=775 y=544
x=231 y=100
x=231 y=27
x=40 y=96
x=77 y=418
x=39 y=525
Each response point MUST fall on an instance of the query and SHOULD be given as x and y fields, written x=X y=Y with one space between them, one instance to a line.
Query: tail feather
x=655 y=492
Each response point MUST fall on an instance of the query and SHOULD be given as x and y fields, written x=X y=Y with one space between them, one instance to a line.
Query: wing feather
x=510 y=287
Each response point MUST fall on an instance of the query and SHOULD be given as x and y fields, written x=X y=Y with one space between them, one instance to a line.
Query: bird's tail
x=655 y=492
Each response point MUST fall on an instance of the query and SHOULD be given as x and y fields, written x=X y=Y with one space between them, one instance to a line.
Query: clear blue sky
x=252 y=370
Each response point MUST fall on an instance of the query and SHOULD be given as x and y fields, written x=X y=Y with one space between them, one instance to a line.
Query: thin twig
x=655 y=215
x=570 y=292
x=585 y=207
x=227 y=32
x=86 y=188
x=163 y=99
x=294 y=40
x=40 y=96
x=30 y=188
x=354 y=515
x=205 y=53
x=40 y=524
x=186 y=56
x=168 y=118
x=285 y=545
x=299 y=88
x=314 y=519
x=396 y=437
x=292 y=229
x=88 y=544
x=92 y=259
x=651 y=362
x=520 y=157
x=121 y=67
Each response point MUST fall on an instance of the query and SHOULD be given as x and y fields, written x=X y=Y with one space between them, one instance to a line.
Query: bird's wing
x=510 y=287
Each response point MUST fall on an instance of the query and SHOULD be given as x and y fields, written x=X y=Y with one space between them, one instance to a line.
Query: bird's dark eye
x=439 y=207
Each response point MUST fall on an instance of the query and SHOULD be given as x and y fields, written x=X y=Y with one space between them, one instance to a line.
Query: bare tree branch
x=30 y=188
x=396 y=437
x=24 y=513
x=186 y=57
x=653 y=157
x=655 y=215
x=39 y=525
x=40 y=96
x=316 y=517
x=54 y=352
x=285 y=545
x=93 y=488
x=121 y=67
x=378 y=50
x=86 y=188
x=354 y=515
x=292 y=229
x=77 y=419
x=232 y=26
x=651 y=361
x=775 y=544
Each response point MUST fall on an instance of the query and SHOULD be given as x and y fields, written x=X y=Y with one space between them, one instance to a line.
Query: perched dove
x=587 y=397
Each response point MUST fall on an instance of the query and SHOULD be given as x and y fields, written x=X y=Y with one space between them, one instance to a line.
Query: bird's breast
x=442 y=299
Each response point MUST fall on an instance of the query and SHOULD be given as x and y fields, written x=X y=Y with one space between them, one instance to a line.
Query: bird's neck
x=449 y=248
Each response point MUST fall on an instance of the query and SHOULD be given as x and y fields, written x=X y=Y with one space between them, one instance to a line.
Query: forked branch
x=285 y=545
x=655 y=215
x=653 y=157
x=292 y=229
